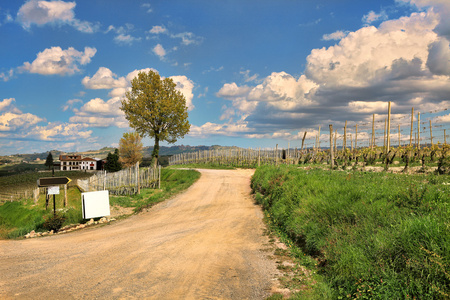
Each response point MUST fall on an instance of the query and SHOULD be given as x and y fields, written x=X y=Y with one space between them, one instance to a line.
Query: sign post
x=52 y=181
x=52 y=184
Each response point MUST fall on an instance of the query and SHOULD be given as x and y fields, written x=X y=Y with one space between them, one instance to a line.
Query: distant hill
x=40 y=158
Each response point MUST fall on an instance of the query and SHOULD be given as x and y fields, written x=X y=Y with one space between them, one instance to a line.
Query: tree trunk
x=155 y=154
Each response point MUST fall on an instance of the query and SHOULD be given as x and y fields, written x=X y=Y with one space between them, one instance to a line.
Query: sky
x=254 y=73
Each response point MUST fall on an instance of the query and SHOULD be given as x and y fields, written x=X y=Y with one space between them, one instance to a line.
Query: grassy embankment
x=363 y=235
x=20 y=217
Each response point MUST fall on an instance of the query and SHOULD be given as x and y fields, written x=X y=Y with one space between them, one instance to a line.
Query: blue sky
x=254 y=73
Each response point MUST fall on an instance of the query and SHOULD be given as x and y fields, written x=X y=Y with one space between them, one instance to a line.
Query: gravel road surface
x=203 y=244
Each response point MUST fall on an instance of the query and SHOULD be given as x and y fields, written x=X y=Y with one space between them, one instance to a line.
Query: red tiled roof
x=88 y=159
x=69 y=157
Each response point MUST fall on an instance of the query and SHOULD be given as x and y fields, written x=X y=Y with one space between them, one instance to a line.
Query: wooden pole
x=431 y=134
x=412 y=126
x=318 y=139
x=384 y=137
x=418 y=130
x=259 y=157
x=138 y=179
x=159 y=177
x=389 y=127
x=65 y=195
x=331 y=147
x=303 y=140
x=276 y=155
x=288 y=158
x=345 y=135
x=356 y=137
x=373 y=130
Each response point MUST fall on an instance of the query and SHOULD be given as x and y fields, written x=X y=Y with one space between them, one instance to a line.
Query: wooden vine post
x=356 y=137
x=318 y=139
x=373 y=130
x=412 y=126
x=276 y=156
x=345 y=135
x=389 y=127
x=259 y=157
x=287 y=156
x=418 y=130
x=331 y=147
x=303 y=140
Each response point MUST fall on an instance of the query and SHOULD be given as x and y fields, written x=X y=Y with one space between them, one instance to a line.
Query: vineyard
x=23 y=185
x=422 y=146
x=125 y=182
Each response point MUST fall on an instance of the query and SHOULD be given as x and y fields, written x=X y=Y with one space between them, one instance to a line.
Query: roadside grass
x=20 y=217
x=372 y=235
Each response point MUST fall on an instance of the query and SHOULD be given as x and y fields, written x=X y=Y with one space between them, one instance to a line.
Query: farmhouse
x=76 y=162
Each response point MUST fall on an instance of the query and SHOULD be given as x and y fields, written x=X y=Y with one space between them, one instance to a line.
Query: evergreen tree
x=112 y=162
x=49 y=161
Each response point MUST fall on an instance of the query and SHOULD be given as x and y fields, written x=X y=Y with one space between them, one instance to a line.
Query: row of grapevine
x=385 y=138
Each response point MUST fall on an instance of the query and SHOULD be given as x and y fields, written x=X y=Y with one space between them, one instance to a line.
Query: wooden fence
x=18 y=195
x=239 y=157
x=125 y=182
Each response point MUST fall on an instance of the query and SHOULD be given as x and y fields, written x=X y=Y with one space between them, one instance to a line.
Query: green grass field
x=371 y=235
x=20 y=217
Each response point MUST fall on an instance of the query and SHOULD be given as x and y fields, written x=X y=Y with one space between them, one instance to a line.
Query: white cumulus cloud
x=373 y=17
x=158 y=29
x=57 y=61
x=337 y=35
x=52 y=12
x=159 y=51
x=185 y=86
x=104 y=78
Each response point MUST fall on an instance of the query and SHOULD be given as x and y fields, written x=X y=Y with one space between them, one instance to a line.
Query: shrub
x=53 y=222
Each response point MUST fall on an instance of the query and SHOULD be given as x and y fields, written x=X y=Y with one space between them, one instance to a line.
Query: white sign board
x=53 y=190
x=95 y=204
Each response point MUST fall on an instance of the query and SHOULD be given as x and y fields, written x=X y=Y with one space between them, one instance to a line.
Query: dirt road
x=204 y=244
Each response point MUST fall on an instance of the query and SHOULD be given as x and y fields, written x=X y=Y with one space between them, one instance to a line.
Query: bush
x=53 y=222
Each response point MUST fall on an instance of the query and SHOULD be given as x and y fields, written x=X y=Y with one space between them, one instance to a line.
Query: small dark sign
x=51 y=181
